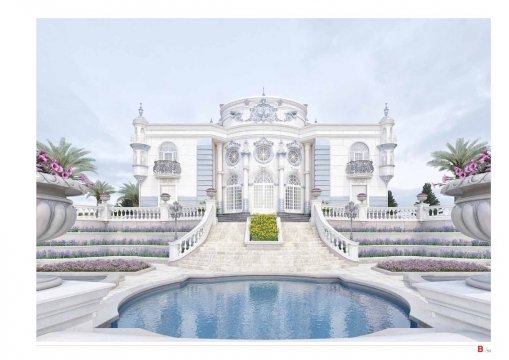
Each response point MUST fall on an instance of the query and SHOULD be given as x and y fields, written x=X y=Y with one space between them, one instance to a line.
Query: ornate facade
x=263 y=156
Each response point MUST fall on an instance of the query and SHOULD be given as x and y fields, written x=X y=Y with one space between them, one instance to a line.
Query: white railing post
x=422 y=211
x=208 y=204
x=314 y=209
x=104 y=211
x=174 y=251
x=163 y=210
x=363 y=212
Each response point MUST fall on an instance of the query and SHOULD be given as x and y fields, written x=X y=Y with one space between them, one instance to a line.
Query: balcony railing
x=166 y=168
x=359 y=168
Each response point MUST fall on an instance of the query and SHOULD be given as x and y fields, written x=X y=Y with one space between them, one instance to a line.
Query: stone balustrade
x=185 y=245
x=421 y=212
x=332 y=238
x=106 y=212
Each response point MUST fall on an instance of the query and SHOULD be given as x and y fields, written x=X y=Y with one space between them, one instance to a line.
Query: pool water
x=263 y=309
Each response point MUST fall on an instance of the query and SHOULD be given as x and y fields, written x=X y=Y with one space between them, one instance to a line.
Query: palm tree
x=68 y=156
x=458 y=155
x=99 y=188
x=130 y=195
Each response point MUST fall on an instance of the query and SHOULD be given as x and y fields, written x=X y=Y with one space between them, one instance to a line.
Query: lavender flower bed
x=371 y=252
x=396 y=229
x=97 y=265
x=441 y=242
x=144 y=252
x=429 y=265
x=103 y=242
x=183 y=228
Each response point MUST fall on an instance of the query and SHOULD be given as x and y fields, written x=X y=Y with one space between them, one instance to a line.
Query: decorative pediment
x=263 y=142
x=232 y=144
x=263 y=112
x=294 y=145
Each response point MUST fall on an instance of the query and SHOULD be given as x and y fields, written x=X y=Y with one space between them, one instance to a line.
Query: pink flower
x=65 y=175
x=446 y=178
x=55 y=166
x=457 y=170
x=461 y=174
x=42 y=157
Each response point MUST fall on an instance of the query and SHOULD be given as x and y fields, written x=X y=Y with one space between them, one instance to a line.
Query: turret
x=388 y=143
x=140 y=148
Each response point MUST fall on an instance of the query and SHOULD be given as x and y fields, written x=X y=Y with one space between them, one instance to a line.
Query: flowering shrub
x=170 y=228
x=148 y=242
x=410 y=241
x=110 y=265
x=48 y=166
x=81 y=253
x=448 y=228
x=263 y=227
x=480 y=165
x=383 y=252
x=428 y=265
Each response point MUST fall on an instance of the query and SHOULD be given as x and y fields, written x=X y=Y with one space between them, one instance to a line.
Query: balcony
x=166 y=169
x=359 y=169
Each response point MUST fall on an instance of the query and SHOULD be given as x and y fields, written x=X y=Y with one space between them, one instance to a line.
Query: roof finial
x=211 y=120
x=263 y=91
x=140 y=110
x=386 y=110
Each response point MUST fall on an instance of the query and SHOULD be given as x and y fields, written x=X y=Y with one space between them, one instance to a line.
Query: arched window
x=293 y=180
x=168 y=151
x=263 y=177
x=359 y=151
x=233 y=180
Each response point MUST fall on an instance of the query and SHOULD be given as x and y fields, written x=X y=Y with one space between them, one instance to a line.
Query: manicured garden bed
x=82 y=253
x=96 y=265
x=430 y=265
x=426 y=252
x=263 y=227
x=432 y=241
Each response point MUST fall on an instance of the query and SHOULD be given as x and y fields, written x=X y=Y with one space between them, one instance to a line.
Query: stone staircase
x=286 y=217
x=235 y=217
x=224 y=250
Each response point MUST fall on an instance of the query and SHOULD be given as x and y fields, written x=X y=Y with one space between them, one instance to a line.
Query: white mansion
x=263 y=156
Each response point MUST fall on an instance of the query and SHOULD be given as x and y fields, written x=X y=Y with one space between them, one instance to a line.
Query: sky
x=434 y=74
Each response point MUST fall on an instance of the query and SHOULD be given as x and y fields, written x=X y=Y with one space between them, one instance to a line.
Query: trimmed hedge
x=263 y=227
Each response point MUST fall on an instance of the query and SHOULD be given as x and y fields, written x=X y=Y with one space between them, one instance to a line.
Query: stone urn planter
x=362 y=197
x=471 y=214
x=165 y=197
x=211 y=193
x=316 y=192
x=55 y=213
x=104 y=198
x=421 y=197
x=472 y=205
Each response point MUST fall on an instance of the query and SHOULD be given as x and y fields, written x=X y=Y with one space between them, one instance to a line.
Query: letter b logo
x=480 y=348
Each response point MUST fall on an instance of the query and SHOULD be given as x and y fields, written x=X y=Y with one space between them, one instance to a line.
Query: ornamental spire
x=140 y=110
x=263 y=91
x=386 y=110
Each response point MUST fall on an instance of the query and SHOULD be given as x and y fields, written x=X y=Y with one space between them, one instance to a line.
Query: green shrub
x=263 y=227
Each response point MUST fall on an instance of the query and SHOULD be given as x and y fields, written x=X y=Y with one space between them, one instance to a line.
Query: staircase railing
x=332 y=238
x=190 y=241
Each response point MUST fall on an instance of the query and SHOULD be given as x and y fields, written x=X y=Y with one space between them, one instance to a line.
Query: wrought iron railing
x=360 y=167
x=166 y=167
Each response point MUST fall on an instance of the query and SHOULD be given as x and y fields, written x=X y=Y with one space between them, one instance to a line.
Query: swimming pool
x=263 y=308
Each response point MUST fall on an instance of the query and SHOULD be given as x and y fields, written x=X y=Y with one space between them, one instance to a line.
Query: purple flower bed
x=441 y=242
x=429 y=265
x=396 y=229
x=103 y=242
x=117 y=265
x=183 y=228
x=52 y=254
x=374 y=252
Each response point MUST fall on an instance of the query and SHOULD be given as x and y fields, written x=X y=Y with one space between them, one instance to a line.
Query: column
x=281 y=167
x=245 y=181
x=219 y=179
x=307 y=177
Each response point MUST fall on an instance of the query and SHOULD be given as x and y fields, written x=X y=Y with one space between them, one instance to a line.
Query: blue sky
x=435 y=75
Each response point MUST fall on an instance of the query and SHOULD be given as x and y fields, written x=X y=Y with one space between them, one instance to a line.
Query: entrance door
x=293 y=195
x=263 y=193
x=233 y=195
